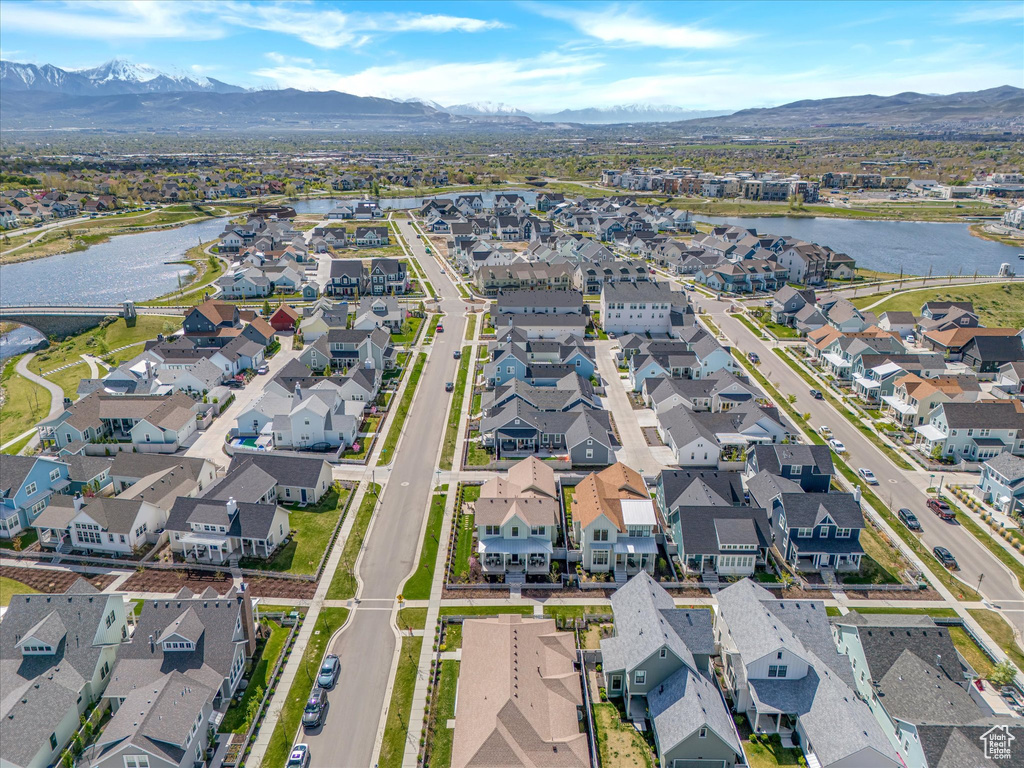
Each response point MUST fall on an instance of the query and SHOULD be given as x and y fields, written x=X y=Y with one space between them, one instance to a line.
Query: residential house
x=341 y=349
x=27 y=484
x=788 y=301
x=810 y=466
x=284 y=318
x=782 y=670
x=371 y=237
x=914 y=397
x=379 y=312
x=317 y=419
x=812 y=531
x=321 y=317
x=637 y=307
x=518 y=521
x=973 y=431
x=614 y=522
x=212 y=323
x=719 y=440
x=519 y=695
x=260 y=331
x=518 y=430
x=348 y=277
x=570 y=393
x=902 y=323
x=658 y=663
x=56 y=654
x=215 y=531
x=1002 y=484
x=532 y=301
x=107 y=525
x=986 y=355
x=388 y=276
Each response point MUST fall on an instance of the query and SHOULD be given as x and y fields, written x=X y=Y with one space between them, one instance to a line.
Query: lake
x=888 y=246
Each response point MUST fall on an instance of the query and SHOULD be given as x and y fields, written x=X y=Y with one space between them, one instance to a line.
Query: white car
x=299 y=758
x=868 y=475
x=825 y=431
x=837 y=445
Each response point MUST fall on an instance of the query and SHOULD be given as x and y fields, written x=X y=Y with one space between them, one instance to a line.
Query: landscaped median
x=343 y=583
x=418 y=585
x=402 y=411
x=327 y=623
x=392 y=748
x=451 y=432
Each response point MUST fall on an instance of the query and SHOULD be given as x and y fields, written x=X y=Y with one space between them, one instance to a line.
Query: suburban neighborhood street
x=366 y=646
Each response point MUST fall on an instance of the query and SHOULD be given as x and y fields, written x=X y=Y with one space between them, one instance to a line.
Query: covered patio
x=528 y=555
x=206 y=547
x=635 y=553
x=927 y=437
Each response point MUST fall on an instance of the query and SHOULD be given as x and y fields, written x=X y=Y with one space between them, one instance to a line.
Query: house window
x=54 y=474
x=777 y=670
x=804 y=533
x=515 y=531
x=492 y=530
x=703 y=733
x=616 y=682
x=136 y=761
x=662 y=653
x=843 y=533
x=640 y=677
x=53 y=741
x=599 y=558
x=601 y=534
x=30 y=489
x=537 y=530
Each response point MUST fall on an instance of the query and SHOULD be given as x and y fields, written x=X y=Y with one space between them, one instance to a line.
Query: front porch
x=632 y=554
x=531 y=555
x=205 y=547
x=816 y=561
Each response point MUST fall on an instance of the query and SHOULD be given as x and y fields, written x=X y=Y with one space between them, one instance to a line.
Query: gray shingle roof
x=686 y=702
x=292 y=471
x=684 y=487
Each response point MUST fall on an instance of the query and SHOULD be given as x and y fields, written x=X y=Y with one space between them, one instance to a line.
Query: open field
x=24 y=402
x=998 y=305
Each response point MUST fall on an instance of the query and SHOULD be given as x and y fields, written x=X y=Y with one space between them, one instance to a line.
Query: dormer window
x=35 y=649
x=178 y=645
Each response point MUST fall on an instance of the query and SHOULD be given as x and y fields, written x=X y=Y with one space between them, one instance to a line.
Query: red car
x=941 y=509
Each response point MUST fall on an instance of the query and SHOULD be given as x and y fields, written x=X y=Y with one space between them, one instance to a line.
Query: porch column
x=778 y=722
x=266 y=549
x=757 y=721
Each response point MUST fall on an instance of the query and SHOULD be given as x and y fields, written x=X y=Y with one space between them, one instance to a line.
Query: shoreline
x=978 y=230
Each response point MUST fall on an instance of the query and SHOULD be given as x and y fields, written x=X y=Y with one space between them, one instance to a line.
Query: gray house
x=658 y=662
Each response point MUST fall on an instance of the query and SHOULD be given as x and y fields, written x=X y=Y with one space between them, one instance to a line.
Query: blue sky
x=544 y=55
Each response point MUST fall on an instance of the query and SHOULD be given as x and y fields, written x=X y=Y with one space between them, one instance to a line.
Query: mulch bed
x=46 y=580
x=170 y=582
x=883 y=594
x=271 y=587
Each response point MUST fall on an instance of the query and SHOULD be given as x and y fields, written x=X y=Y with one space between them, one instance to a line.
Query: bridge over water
x=61 y=322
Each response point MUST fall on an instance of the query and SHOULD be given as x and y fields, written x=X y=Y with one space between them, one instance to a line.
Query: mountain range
x=120 y=93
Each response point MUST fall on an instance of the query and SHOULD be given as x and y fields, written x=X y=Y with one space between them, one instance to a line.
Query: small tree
x=1003 y=673
x=266 y=308
x=936 y=454
x=327 y=370
x=252 y=709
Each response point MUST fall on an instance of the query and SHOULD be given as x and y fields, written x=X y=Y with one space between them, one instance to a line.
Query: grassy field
x=417 y=587
x=885 y=210
x=451 y=432
x=771 y=755
x=408 y=336
x=99 y=341
x=343 y=583
x=10 y=587
x=470 y=327
x=235 y=719
x=312 y=527
x=997 y=628
x=485 y=610
x=25 y=403
x=402 y=411
x=397 y=726
x=881 y=563
x=970 y=651
x=998 y=305
x=412 y=618
x=439 y=735
x=619 y=744
x=575 y=611
x=328 y=622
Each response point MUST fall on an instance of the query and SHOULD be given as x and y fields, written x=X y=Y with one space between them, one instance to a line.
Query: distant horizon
x=543 y=58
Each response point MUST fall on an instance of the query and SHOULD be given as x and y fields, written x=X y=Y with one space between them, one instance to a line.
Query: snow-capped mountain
x=114 y=77
x=485 y=108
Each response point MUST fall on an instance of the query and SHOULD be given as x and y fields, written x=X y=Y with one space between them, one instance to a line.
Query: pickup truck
x=941 y=509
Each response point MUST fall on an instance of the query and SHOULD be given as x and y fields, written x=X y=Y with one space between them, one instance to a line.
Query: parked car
x=313 y=714
x=263 y=370
x=440 y=328
x=299 y=758
x=909 y=519
x=945 y=557
x=754 y=358
x=816 y=394
x=329 y=671
x=457 y=354
x=825 y=431
x=1012 y=698
x=837 y=445
x=234 y=384
x=868 y=475
x=941 y=509
x=449 y=386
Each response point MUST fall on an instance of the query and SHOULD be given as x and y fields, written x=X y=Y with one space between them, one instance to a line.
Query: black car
x=909 y=519
x=816 y=394
x=313 y=714
x=457 y=354
x=328 y=671
x=449 y=386
x=234 y=384
x=753 y=357
x=946 y=558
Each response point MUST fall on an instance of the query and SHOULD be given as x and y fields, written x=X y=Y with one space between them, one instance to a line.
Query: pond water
x=889 y=246
x=20 y=340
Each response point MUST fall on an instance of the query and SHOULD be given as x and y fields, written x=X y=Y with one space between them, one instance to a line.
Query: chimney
x=231 y=506
x=298 y=391
x=78 y=502
x=152 y=646
x=856 y=493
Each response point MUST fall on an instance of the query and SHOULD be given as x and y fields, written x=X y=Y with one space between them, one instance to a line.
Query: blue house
x=1002 y=483
x=26 y=484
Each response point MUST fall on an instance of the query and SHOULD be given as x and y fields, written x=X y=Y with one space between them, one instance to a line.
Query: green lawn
x=26 y=538
x=771 y=754
x=343 y=584
x=99 y=341
x=451 y=432
x=25 y=403
x=439 y=735
x=10 y=587
x=452 y=636
x=392 y=749
x=432 y=327
x=988 y=540
x=17 y=448
x=485 y=610
x=464 y=539
x=574 y=611
x=470 y=327
x=409 y=335
x=328 y=622
x=997 y=628
x=763 y=316
x=312 y=528
x=969 y=650
x=235 y=719
x=619 y=744
x=881 y=563
x=998 y=305
x=402 y=411
x=948 y=613
x=417 y=587
x=477 y=455
x=412 y=618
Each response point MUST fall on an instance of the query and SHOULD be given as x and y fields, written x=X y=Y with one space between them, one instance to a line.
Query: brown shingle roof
x=957 y=337
x=600 y=493
x=217 y=311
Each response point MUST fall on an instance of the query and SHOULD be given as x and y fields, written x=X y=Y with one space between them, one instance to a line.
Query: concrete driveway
x=635 y=452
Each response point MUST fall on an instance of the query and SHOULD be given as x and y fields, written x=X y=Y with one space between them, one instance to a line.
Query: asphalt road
x=897 y=488
x=366 y=647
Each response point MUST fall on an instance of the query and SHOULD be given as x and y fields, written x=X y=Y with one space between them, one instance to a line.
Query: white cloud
x=282 y=60
x=112 y=21
x=990 y=12
x=627 y=26
x=330 y=28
